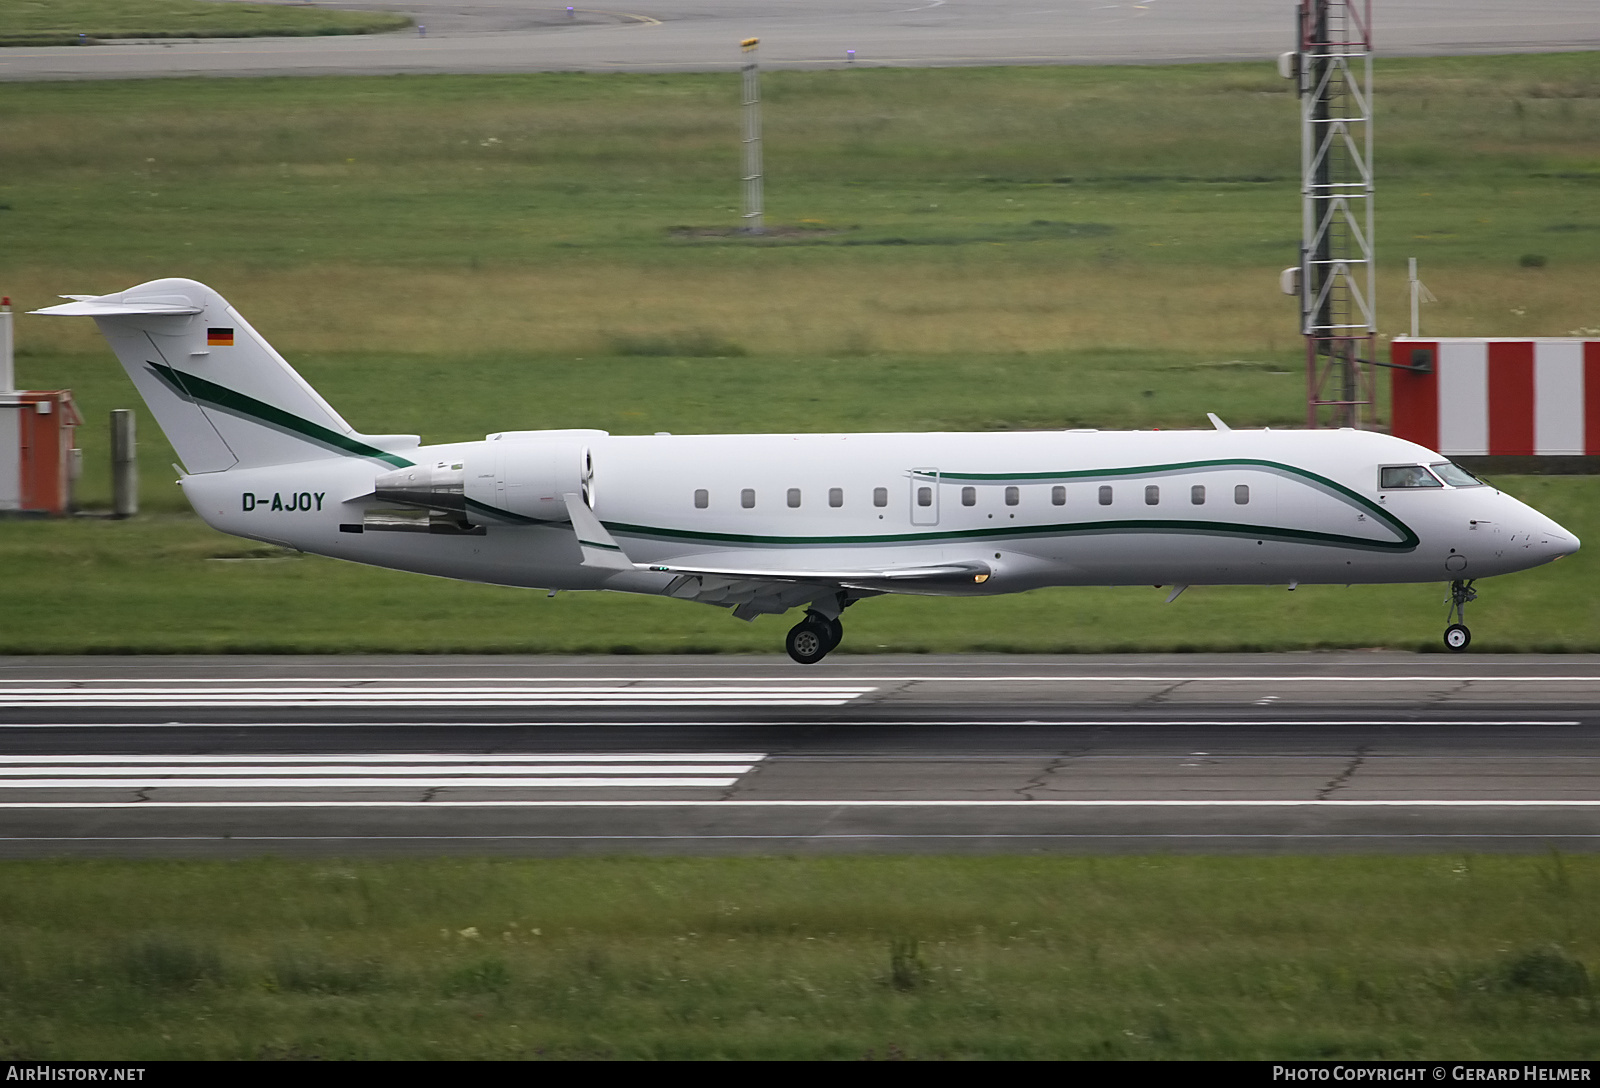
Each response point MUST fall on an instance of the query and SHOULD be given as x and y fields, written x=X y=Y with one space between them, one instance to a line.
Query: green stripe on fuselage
x=1339 y=490
x=200 y=390
x=504 y=515
x=1408 y=539
x=1082 y=528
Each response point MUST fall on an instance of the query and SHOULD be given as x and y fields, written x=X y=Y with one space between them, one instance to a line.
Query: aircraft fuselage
x=1038 y=508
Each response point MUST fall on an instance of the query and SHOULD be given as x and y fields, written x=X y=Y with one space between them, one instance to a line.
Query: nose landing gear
x=813 y=638
x=1456 y=636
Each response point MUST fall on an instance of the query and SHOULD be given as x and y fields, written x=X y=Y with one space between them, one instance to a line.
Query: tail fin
x=219 y=391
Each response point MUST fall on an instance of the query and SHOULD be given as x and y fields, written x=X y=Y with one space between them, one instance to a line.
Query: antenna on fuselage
x=1217 y=423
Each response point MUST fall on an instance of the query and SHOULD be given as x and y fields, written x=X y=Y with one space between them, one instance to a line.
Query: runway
x=708 y=755
x=208 y=757
x=485 y=36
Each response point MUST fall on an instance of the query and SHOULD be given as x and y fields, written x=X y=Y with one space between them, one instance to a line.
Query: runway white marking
x=835 y=804
x=790 y=680
x=897 y=722
x=425 y=772
x=390 y=757
x=429 y=783
x=293 y=693
x=823 y=836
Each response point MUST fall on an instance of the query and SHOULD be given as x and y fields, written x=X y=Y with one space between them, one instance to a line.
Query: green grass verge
x=61 y=22
x=971 y=249
x=168 y=584
x=1464 y=957
x=1042 y=209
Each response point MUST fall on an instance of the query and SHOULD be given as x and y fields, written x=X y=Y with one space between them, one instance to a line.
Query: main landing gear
x=813 y=638
x=1456 y=636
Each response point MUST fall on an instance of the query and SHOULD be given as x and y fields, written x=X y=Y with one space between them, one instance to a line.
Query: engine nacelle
x=514 y=479
x=435 y=486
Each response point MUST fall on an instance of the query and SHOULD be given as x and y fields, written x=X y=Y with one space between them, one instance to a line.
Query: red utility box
x=37 y=460
x=45 y=420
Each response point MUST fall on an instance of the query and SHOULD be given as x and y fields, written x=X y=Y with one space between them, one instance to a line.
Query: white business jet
x=762 y=523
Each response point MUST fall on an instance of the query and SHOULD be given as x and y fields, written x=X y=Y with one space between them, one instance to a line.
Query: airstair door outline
x=924 y=496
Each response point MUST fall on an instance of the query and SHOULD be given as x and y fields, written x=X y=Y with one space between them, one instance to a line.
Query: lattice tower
x=1337 y=271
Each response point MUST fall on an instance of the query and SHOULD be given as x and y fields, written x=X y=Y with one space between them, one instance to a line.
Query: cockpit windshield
x=1455 y=475
x=1396 y=476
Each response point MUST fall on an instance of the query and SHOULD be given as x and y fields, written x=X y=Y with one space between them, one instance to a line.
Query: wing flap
x=927 y=574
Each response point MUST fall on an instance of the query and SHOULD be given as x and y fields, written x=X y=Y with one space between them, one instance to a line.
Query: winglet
x=1217 y=423
x=599 y=550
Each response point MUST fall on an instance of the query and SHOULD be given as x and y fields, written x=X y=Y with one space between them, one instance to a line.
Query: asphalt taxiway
x=546 y=756
x=703 y=35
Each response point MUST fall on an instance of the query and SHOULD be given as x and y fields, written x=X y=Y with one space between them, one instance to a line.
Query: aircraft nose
x=1554 y=540
x=1533 y=535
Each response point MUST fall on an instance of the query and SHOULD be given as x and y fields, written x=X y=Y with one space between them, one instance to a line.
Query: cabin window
x=1152 y=495
x=747 y=498
x=1455 y=475
x=1197 y=494
x=1058 y=496
x=794 y=498
x=1105 y=494
x=924 y=496
x=1013 y=496
x=969 y=496
x=702 y=498
x=880 y=496
x=1241 y=494
x=1396 y=476
x=835 y=496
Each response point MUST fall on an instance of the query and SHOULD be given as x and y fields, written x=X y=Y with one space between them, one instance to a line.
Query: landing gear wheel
x=1456 y=636
x=809 y=642
x=833 y=628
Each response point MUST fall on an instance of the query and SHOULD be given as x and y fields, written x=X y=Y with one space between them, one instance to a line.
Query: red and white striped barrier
x=1489 y=396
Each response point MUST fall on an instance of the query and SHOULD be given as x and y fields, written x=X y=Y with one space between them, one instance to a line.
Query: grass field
x=963 y=248
x=1438 y=957
x=60 y=22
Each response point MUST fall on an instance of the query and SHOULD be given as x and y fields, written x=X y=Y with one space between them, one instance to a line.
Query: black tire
x=808 y=642
x=833 y=627
x=1457 y=638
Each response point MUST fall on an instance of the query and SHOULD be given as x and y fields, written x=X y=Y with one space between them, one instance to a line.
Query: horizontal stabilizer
x=92 y=306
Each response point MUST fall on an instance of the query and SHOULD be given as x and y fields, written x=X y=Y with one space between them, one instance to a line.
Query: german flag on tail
x=219 y=338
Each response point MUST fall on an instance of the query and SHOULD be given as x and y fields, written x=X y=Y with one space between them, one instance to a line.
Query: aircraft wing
x=753 y=591
x=864 y=578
